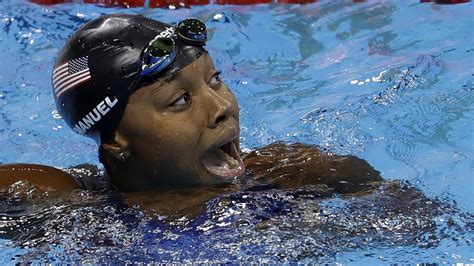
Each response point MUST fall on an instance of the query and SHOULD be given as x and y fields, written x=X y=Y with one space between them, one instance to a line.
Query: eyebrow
x=173 y=75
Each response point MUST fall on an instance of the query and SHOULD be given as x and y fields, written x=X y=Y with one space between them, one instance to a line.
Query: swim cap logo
x=70 y=75
x=168 y=33
x=95 y=115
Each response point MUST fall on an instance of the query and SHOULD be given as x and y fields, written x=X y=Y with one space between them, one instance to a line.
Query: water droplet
x=55 y=114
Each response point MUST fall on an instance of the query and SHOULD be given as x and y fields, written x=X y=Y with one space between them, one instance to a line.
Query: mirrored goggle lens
x=160 y=47
x=192 y=30
x=158 y=55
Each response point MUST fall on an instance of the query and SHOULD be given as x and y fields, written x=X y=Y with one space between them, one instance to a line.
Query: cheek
x=177 y=149
x=175 y=138
x=166 y=140
x=167 y=148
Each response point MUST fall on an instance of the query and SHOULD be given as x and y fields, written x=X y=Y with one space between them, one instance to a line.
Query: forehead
x=194 y=69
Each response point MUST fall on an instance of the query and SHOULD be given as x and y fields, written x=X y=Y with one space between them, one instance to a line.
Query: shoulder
x=290 y=165
x=39 y=175
x=84 y=176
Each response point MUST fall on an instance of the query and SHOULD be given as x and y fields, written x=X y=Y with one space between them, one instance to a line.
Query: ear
x=117 y=149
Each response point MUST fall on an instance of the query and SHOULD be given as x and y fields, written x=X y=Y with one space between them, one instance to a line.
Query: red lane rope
x=187 y=3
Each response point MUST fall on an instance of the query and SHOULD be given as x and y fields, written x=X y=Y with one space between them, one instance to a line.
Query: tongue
x=219 y=162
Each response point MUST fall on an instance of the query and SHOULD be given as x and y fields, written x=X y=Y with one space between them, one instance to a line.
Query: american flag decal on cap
x=70 y=74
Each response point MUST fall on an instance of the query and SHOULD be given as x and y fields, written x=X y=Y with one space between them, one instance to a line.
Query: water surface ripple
x=389 y=82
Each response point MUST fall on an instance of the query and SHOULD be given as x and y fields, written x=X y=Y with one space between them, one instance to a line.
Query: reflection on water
x=389 y=82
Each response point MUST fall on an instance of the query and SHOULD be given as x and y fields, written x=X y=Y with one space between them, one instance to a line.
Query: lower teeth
x=221 y=160
x=227 y=162
x=230 y=161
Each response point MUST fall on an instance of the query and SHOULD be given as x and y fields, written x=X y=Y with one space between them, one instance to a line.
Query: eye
x=182 y=100
x=215 y=79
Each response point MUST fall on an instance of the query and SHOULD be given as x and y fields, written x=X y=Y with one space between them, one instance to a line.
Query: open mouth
x=224 y=161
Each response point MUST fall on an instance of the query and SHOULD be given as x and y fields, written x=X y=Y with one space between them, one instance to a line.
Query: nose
x=220 y=108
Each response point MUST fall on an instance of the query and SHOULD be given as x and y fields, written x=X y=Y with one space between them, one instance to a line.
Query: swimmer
x=149 y=94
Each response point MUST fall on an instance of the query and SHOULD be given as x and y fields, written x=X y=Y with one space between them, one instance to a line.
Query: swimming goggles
x=162 y=50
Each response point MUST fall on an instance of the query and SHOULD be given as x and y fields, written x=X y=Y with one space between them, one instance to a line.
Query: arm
x=294 y=165
x=39 y=175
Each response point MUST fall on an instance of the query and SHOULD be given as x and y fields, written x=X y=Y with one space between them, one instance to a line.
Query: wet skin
x=38 y=175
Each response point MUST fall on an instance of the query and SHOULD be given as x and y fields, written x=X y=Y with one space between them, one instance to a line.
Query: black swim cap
x=99 y=68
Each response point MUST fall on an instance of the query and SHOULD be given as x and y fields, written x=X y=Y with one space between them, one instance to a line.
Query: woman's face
x=183 y=129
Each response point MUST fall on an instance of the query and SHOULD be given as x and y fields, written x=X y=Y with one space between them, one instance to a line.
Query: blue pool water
x=392 y=83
